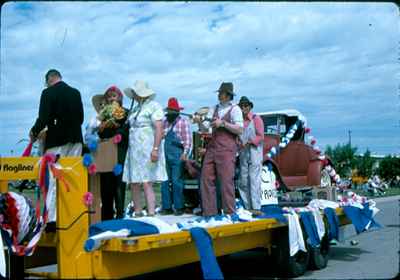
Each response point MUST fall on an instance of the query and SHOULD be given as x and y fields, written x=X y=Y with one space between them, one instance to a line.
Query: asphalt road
x=376 y=255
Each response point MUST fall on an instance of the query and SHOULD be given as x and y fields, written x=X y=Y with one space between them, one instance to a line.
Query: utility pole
x=350 y=138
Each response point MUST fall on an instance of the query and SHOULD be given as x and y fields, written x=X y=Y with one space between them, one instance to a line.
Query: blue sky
x=337 y=63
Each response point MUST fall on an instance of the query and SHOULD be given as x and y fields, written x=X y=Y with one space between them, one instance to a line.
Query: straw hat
x=98 y=101
x=141 y=89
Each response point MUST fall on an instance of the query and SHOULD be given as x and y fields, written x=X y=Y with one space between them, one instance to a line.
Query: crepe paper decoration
x=117 y=138
x=88 y=199
x=87 y=160
x=59 y=175
x=92 y=169
x=28 y=150
x=92 y=145
x=117 y=169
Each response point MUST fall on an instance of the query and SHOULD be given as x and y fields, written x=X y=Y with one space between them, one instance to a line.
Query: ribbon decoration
x=28 y=150
x=25 y=223
x=285 y=139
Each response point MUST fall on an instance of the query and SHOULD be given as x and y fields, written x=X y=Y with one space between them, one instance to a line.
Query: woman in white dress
x=145 y=161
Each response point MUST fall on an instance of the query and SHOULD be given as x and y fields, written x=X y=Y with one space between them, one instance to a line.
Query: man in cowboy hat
x=250 y=157
x=219 y=160
x=177 y=147
x=61 y=110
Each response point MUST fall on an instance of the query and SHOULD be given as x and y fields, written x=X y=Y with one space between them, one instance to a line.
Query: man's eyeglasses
x=245 y=105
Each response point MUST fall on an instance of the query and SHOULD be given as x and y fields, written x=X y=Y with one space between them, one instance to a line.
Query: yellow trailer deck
x=131 y=256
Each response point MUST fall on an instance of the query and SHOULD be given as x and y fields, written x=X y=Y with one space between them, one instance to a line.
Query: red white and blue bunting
x=285 y=140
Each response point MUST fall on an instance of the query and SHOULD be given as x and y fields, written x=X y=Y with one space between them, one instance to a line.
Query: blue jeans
x=172 y=190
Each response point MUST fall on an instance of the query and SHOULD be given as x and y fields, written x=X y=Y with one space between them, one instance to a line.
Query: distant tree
x=343 y=158
x=365 y=164
x=389 y=167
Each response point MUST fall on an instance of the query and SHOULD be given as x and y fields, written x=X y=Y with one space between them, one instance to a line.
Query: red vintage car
x=297 y=164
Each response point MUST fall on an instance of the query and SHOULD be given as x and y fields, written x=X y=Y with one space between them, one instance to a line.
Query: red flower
x=88 y=199
x=313 y=141
x=307 y=130
x=117 y=138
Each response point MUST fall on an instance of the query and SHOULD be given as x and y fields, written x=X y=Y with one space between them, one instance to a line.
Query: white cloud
x=336 y=62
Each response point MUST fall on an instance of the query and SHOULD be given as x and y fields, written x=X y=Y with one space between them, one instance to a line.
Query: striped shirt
x=183 y=132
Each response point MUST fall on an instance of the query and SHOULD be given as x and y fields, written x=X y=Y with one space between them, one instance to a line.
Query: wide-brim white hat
x=141 y=88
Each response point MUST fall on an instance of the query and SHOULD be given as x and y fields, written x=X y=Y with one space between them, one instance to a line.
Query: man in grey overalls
x=177 y=147
x=251 y=157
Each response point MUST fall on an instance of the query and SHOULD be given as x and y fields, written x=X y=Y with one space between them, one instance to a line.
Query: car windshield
x=274 y=124
x=280 y=124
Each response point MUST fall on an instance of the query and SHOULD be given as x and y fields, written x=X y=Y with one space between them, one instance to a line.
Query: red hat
x=173 y=104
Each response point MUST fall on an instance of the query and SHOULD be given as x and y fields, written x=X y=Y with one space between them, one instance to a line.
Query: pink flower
x=88 y=199
x=313 y=141
x=307 y=130
x=117 y=138
x=92 y=169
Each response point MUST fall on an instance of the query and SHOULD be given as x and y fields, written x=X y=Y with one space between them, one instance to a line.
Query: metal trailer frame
x=120 y=257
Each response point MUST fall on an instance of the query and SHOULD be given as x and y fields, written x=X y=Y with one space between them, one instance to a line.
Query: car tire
x=319 y=256
x=286 y=265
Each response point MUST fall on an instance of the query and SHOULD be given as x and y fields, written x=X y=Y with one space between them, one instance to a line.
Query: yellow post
x=3 y=186
x=72 y=221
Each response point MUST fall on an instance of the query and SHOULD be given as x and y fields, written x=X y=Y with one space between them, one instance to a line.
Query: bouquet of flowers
x=111 y=114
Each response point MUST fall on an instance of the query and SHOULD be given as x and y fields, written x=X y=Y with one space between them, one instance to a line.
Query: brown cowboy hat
x=226 y=87
x=98 y=100
x=245 y=101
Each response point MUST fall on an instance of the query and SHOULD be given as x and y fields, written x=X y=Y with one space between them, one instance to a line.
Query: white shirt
x=236 y=114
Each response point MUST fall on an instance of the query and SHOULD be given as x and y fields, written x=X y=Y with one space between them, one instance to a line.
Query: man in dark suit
x=61 y=112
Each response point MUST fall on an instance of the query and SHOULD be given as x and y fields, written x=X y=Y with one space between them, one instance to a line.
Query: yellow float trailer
x=124 y=257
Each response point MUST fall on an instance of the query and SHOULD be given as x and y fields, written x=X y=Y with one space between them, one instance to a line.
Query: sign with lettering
x=269 y=193
x=19 y=168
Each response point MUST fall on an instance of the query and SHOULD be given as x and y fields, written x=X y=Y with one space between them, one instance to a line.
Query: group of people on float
x=155 y=144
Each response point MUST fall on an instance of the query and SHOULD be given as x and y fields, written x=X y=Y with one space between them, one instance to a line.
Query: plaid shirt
x=182 y=130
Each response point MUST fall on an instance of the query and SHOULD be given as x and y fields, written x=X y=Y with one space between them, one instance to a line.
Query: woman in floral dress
x=145 y=161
